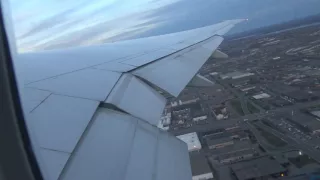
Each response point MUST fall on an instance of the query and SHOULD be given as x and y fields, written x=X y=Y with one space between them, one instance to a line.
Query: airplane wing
x=92 y=111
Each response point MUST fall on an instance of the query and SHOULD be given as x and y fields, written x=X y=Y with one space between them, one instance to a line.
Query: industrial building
x=165 y=121
x=225 y=138
x=215 y=143
x=259 y=168
x=200 y=167
x=236 y=75
x=300 y=96
x=261 y=96
x=192 y=140
x=200 y=118
x=237 y=155
x=247 y=88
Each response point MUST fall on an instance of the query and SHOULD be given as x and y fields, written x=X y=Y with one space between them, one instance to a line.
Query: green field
x=235 y=103
x=252 y=109
x=272 y=139
x=267 y=123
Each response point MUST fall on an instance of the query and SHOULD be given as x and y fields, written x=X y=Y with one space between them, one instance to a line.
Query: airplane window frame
x=17 y=160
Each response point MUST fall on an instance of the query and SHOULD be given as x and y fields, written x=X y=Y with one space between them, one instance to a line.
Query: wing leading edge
x=92 y=111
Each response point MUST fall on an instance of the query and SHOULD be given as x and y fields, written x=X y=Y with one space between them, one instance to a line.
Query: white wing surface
x=92 y=111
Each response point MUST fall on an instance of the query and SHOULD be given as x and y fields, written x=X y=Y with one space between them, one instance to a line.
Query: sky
x=51 y=24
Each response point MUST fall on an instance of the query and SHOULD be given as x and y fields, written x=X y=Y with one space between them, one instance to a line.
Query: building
x=192 y=140
x=220 y=112
x=261 y=96
x=200 y=118
x=174 y=103
x=300 y=96
x=233 y=128
x=237 y=156
x=214 y=73
x=247 y=88
x=200 y=167
x=188 y=101
x=300 y=177
x=316 y=113
x=225 y=137
x=236 y=75
x=259 y=168
x=215 y=143
x=279 y=102
x=165 y=121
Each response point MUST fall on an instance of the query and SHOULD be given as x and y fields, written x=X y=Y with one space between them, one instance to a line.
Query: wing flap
x=137 y=98
x=122 y=147
x=54 y=161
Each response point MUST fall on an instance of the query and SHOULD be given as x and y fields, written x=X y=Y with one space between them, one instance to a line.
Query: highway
x=215 y=124
x=225 y=123
x=229 y=122
x=261 y=140
x=244 y=100
x=303 y=146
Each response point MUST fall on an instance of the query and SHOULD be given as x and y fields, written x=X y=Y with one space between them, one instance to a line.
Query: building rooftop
x=237 y=153
x=300 y=95
x=235 y=75
x=297 y=177
x=199 y=164
x=230 y=132
x=281 y=88
x=213 y=141
x=261 y=96
x=192 y=140
x=256 y=168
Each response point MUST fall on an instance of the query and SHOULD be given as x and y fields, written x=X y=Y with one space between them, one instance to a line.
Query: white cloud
x=41 y=23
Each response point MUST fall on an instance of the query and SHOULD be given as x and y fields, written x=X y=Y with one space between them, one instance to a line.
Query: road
x=229 y=122
x=214 y=124
x=223 y=123
x=262 y=141
x=304 y=146
x=243 y=99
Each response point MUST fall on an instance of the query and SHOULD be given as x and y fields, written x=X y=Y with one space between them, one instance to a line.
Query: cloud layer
x=63 y=23
x=56 y=23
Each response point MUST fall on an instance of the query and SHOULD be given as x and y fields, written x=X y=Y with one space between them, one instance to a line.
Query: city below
x=261 y=119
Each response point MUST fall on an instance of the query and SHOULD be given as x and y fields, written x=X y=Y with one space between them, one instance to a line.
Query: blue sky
x=49 y=24
x=40 y=24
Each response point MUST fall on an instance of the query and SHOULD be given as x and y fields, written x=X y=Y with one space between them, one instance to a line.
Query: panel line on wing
x=40 y=102
x=166 y=73
x=188 y=48
x=59 y=94
x=72 y=154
